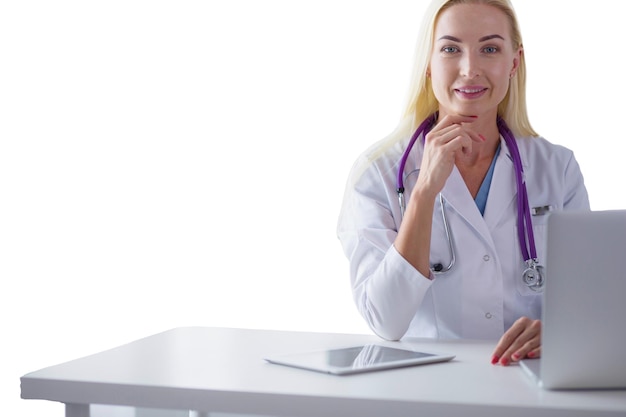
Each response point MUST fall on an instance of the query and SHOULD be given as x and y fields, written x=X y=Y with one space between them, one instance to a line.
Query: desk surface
x=222 y=370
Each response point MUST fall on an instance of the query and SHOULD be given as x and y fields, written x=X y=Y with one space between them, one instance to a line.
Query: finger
x=511 y=335
x=534 y=353
x=509 y=339
x=453 y=119
x=476 y=137
x=450 y=144
x=531 y=354
x=443 y=135
x=505 y=342
x=527 y=340
x=460 y=143
x=533 y=342
x=447 y=125
x=451 y=133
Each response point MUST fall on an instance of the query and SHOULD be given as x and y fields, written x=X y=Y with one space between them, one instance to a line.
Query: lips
x=470 y=92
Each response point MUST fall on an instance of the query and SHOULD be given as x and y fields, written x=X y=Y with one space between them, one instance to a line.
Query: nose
x=470 y=67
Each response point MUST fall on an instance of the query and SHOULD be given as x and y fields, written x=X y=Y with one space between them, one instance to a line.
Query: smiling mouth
x=472 y=93
x=470 y=90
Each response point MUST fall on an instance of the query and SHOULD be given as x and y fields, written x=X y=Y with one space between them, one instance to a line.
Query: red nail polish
x=504 y=361
x=494 y=359
x=531 y=354
x=515 y=356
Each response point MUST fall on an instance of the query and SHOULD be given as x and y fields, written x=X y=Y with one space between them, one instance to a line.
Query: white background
x=177 y=163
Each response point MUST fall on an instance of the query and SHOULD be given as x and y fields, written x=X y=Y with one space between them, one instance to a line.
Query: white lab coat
x=483 y=294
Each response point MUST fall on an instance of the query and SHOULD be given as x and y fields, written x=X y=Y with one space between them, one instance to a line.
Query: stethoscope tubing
x=423 y=128
x=524 y=221
x=439 y=268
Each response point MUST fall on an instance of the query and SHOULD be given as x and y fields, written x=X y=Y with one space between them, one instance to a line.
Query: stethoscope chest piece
x=533 y=275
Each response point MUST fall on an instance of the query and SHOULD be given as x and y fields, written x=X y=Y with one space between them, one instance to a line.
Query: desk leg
x=77 y=410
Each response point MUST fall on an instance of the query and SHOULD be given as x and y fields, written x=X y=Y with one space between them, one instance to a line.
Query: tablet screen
x=357 y=359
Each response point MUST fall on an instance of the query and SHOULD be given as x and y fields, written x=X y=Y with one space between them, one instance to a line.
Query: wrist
x=421 y=200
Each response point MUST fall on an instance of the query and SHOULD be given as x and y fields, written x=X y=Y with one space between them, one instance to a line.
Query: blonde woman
x=448 y=256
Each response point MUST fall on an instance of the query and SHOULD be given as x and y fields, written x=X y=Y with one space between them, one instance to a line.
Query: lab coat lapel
x=503 y=191
x=459 y=199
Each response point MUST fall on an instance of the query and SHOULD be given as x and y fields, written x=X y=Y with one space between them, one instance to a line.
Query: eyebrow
x=483 y=39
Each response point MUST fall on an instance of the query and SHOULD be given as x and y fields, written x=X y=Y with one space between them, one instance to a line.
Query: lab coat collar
x=503 y=190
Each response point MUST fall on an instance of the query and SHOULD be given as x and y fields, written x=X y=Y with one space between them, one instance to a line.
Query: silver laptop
x=584 y=303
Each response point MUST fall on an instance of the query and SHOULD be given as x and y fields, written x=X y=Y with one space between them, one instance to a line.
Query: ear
x=517 y=58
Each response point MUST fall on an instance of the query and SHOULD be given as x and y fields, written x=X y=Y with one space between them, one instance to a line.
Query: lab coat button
x=488 y=315
x=486 y=258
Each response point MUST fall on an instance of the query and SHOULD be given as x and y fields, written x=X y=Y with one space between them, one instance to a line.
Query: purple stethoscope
x=533 y=275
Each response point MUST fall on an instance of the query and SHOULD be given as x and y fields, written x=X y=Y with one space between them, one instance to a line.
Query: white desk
x=221 y=370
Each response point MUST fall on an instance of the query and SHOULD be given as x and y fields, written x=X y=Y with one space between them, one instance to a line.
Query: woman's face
x=473 y=60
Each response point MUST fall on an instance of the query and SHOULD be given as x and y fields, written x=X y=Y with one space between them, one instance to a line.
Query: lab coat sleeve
x=576 y=196
x=387 y=289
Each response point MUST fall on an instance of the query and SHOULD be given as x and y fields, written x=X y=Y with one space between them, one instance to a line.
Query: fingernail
x=531 y=354
x=494 y=359
x=504 y=361
x=515 y=356
x=482 y=137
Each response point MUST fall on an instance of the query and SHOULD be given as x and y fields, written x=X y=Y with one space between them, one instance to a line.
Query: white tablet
x=357 y=359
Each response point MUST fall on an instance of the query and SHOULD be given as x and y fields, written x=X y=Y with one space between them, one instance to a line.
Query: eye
x=490 y=49
x=449 y=49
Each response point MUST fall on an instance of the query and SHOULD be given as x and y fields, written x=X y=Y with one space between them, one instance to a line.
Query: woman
x=469 y=89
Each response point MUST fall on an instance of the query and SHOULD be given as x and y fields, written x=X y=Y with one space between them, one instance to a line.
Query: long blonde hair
x=421 y=101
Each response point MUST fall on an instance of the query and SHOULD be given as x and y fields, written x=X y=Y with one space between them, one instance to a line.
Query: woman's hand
x=522 y=340
x=452 y=135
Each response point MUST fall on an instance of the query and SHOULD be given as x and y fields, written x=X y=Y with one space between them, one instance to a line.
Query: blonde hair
x=421 y=101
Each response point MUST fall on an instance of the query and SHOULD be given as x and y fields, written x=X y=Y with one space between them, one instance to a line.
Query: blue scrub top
x=483 y=192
